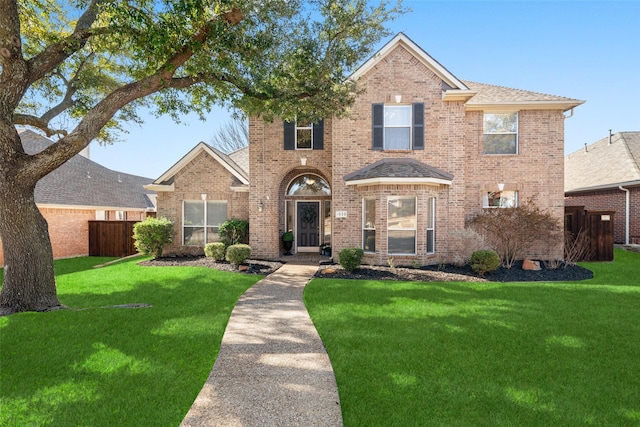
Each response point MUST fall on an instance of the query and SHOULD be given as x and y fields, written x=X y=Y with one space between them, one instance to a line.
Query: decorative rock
x=527 y=264
x=243 y=268
x=328 y=271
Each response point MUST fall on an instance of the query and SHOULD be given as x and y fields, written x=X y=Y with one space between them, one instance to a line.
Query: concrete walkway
x=272 y=369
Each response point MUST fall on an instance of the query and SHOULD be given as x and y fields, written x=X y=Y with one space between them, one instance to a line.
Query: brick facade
x=202 y=175
x=613 y=200
x=69 y=229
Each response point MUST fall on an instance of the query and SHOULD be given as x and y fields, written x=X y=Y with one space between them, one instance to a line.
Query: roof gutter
x=626 y=214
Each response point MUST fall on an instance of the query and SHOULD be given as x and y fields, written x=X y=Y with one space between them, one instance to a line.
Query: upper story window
x=500 y=133
x=500 y=199
x=398 y=126
x=301 y=135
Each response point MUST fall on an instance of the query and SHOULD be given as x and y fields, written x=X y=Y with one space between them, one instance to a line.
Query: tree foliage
x=78 y=70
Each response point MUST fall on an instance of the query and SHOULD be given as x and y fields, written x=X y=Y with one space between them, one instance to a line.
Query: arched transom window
x=309 y=185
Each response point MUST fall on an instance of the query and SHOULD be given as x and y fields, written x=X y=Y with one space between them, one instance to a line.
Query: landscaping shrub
x=484 y=260
x=350 y=258
x=577 y=247
x=237 y=254
x=215 y=250
x=511 y=232
x=152 y=234
x=234 y=231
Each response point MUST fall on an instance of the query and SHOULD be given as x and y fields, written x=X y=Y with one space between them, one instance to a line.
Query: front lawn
x=494 y=354
x=99 y=365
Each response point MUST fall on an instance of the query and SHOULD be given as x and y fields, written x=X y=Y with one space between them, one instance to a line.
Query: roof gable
x=402 y=40
x=164 y=182
x=603 y=164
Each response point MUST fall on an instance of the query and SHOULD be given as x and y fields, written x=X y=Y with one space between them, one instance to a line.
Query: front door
x=308 y=230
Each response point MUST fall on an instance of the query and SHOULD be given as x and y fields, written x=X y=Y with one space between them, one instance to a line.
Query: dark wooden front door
x=308 y=230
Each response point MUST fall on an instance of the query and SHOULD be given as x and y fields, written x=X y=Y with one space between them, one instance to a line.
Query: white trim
x=93 y=208
x=398 y=180
x=192 y=155
x=613 y=186
x=513 y=106
x=402 y=40
x=159 y=187
x=458 y=94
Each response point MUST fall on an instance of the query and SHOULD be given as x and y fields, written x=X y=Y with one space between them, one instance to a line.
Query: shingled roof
x=604 y=164
x=495 y=96
x=82 y=183
x=396 y=171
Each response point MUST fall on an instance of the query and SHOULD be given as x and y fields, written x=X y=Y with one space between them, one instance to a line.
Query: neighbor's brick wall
x=536 y=171
x=613 y=200
x=69 y=230
x=202 y=175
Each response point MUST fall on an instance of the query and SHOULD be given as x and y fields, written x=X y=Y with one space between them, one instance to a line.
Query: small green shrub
x=237 y=254
x=484 y=260
x=152 y=234
x=215 y=250
x=350 y=258
x=234 y=231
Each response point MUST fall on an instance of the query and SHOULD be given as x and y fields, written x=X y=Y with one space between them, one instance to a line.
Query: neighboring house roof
x=398 y=171
x=490 y=97
x=478 y=96
x=83 y=184
x=604 y=164
x=237 y=163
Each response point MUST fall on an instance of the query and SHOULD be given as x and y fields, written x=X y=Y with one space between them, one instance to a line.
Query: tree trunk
x=29 y=281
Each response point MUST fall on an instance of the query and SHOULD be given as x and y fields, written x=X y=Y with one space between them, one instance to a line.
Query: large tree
x=76 y=69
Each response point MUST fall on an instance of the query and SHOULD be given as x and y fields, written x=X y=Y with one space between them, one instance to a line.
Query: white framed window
x=101 y=215
x=401 y=225
x=500 y=133
x=397 y=127
x=500 y=199
x=369 y=225
x=431 y=225
x=304 y=135
x=121 y=216
x=201 y=220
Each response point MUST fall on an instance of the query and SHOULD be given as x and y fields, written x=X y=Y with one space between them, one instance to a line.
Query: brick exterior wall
x=69 y=230
x=613 y=200
x=203 y=175
x=453 y=143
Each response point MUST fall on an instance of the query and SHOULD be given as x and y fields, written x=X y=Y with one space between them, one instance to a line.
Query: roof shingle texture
x=82 y=182
x=487 y=94
x=604 y=164
x=398 y=168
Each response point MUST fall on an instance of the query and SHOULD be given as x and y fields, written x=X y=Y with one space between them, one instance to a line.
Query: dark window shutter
x=418 y=126
x=318 y=135
x=378 y=126
x=289 y=135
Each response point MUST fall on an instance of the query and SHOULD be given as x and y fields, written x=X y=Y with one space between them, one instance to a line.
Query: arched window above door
x=309 y=185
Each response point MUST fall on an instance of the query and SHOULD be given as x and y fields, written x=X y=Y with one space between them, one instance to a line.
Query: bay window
x=401 y=225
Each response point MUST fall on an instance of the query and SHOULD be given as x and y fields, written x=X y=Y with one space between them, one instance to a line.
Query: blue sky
x=583 y=50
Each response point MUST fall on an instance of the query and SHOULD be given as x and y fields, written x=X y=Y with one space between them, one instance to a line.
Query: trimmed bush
x=152 y=234
x=350 y=258
x=237 y=254
x=234 y=231
x=215 y=250
x=484 y=260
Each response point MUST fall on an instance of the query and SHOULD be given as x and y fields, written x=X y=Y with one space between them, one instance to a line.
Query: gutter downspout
x=626 y=215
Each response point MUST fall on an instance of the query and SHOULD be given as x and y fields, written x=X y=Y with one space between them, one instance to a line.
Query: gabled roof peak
x=402 y=40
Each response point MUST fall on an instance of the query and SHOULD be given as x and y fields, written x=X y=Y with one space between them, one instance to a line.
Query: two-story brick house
x=419 y=153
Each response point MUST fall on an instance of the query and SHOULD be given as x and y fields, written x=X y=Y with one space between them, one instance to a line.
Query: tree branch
x=38 y=123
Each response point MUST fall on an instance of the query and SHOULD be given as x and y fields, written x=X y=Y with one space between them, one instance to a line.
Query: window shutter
x=378 y=126
x=418 y=126
x=318 y=135
x=289 y=135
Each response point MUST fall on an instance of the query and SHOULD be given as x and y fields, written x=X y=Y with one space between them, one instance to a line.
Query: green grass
x=116 y=366
x=485 y=354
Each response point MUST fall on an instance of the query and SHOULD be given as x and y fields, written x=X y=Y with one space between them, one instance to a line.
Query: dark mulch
x=252 y=266
x=428 y=273
x=451 y=273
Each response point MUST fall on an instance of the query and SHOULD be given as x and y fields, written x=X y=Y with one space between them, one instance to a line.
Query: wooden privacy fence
x=111 y=238
x=599 y=228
